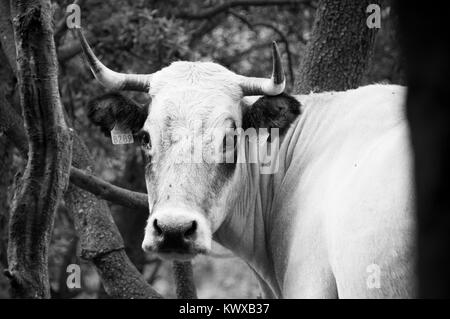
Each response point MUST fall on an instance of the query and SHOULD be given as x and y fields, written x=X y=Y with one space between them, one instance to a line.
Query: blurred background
x=143 y=36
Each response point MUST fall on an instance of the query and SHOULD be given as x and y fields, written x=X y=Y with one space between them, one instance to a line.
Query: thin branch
x=107 y=191
x=213 y=11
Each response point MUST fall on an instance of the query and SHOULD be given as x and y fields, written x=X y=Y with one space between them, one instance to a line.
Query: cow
x=333 y=219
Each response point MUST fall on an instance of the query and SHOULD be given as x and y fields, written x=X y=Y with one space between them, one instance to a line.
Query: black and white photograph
x=224 y=153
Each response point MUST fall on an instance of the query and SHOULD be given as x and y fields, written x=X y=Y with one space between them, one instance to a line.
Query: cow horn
x=109 y=78
x=262 y=86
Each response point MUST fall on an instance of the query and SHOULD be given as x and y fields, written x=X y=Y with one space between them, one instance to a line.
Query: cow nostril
x=191 y=230
x=157 y=228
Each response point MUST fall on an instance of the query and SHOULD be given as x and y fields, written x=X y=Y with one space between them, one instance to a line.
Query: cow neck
x=246 y=229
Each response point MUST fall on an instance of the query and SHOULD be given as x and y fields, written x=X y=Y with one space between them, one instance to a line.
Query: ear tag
x=120 y=136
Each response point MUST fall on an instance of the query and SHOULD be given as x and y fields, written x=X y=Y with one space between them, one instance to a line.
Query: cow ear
x=113 y=109
x=272 y=112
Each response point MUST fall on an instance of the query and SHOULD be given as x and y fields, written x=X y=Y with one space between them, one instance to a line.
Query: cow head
x=193 y=103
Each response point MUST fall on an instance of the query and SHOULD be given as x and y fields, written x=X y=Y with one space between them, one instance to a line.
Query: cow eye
x=144 y=138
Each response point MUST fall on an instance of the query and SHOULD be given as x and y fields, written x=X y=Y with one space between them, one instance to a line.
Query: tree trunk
x=100 y=240
x=6 y=161
x=46 y=175
x=6 y=166
x=426 y=48
x=6 y=177
x=339 y=49
x=184 y=276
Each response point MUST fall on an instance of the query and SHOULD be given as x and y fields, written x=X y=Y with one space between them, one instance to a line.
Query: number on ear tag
x=119 y=136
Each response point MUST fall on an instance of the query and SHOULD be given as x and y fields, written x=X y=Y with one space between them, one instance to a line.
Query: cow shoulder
x=272 y=112
x=112 y=109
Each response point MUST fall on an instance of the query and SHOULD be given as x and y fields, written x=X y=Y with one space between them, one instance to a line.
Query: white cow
x=337 y=219
x=335 y=216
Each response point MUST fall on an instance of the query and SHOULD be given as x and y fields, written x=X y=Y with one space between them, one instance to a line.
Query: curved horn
x=262 y=86
x=107 y=77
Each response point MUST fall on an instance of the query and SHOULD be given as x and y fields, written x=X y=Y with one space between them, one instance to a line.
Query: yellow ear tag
x=120 y=136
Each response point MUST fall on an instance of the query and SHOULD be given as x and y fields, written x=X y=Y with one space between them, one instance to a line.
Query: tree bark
x=46 y=175
x=426 y=48
x=105 y=190
x=6 y=161
x=6 y=172
x=6 y=177
x=184 y=277
x=339 y=49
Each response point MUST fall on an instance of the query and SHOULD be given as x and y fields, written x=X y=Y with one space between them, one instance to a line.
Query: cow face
x=194 y=106
x=188 y=135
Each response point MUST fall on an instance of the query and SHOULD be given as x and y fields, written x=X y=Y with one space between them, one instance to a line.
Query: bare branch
x=121 y=279
x=108 y=191
x=211 y=12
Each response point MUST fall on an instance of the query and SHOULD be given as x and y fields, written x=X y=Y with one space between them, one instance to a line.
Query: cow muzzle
x=176 y=233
